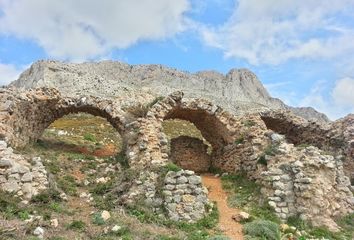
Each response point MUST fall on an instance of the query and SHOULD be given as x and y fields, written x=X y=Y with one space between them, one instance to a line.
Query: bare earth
x=230 y=228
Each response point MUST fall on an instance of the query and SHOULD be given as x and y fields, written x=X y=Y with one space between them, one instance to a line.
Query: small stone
x=169 y=187
x=27 y=177
x=241 y=216
x=101 y=180
x=39 y=232
x=182 y=179
x=284 y=227
x=116 y=228
x=170 y=180
x=194 y=180
x=272 y=204
x=54 y=223
x=105 y=215
x=63 y=196
x=11 y=186
x=5 y=163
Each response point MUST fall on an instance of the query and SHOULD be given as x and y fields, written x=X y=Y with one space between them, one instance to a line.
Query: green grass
x=67 y=184
x=194 y=231
x=172 y=167
x=346 y=223
x=77 y=225
x=241 y=189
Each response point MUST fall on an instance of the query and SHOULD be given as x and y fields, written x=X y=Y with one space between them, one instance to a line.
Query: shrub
x=122 y=159
x=89 y=137
x=172 y=167
x=46 y=197
x=97 y=219
x=23 y=215
x=77 y=225
x=262 y=228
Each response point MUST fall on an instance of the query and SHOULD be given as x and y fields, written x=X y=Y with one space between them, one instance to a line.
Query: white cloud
x=84 y=29
x=338 y=104
x=343 y=92
x=8 y=73
x=274 y=31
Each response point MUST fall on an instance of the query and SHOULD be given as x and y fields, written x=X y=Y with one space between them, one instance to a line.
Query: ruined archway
x=217 y=126
x=26 y=115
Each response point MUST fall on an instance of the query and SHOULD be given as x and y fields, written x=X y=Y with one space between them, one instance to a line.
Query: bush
x=263 y=229
x=172 y=167
x=46 y=197
x=89 y=137
x=77 y=225
x=122 y=159
x=97 y=219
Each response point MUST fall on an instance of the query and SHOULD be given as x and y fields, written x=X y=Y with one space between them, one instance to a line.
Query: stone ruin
x=286 y=154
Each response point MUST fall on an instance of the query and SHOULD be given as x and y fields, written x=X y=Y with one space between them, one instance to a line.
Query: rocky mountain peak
x=239 y=91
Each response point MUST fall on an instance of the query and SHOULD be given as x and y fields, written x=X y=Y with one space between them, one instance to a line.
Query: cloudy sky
x=303 y=51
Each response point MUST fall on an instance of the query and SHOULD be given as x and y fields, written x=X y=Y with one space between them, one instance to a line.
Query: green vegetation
x=346 y=223
x=241 y=189
x=122 y=159
x=270 y=150
x=68 y=185
x=172 y=167
x=89 y=137
x=240 y=140
x=248 y=123
x=194 y=231
x=262 y=229
x=77 y=225
x=98 y=219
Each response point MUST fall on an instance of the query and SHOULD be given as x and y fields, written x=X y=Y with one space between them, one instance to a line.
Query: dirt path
x=231 y=228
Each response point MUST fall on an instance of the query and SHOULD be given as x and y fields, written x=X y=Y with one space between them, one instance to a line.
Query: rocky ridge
x=238 y=91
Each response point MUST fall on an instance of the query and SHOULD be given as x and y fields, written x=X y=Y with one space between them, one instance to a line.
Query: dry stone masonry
x=20 y=176
x=185 y=198
x=297 y=178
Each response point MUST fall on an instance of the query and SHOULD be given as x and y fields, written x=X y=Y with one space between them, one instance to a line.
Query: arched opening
x=187 y=147
x=77 y=149
x=82 y=133
x=196 y=138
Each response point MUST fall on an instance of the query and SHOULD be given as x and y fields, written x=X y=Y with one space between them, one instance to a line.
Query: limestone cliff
x=238 y=91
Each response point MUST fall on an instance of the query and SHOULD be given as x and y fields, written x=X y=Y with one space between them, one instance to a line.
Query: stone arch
x=300 y=131
x=26 y=115
x=217 y=126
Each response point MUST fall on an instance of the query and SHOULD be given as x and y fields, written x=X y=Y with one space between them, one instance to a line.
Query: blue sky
x=302 y=51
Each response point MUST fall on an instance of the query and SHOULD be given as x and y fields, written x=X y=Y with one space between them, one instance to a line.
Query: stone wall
x=190 y=154
x=20 y=176
x=185 y=198
x=180 y=193
x=307 y=182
